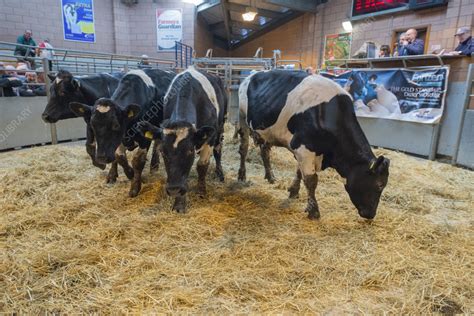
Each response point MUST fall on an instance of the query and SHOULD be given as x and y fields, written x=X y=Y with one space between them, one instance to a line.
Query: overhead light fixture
x=195 y=2
x=347 y=25
x=250 y=14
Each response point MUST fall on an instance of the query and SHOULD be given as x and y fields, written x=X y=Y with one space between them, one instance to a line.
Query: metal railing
x=78 y=63
x=183 y=55
x=85 y=62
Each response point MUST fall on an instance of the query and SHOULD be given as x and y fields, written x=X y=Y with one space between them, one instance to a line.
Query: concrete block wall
x=119 y=29
x=304 y=36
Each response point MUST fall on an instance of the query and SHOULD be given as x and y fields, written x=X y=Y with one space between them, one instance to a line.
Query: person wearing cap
x=144 y=63
x=8 y=81
x=466 y=46
x=26 y=39
x=45 y=50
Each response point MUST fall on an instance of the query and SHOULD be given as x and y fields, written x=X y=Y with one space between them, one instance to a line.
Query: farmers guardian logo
x=169 y=24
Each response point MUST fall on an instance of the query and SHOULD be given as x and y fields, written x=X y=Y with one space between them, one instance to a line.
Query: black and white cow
x=314 y=118
x=65 y=88
x=113 y=121
x=194 y=114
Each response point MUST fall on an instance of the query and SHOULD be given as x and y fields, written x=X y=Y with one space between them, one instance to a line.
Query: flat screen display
x=361 y=7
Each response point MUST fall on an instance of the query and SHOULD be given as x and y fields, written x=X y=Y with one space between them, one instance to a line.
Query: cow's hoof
x=294 y=194
x=101 y=166
x=129 y=173
x=314 y=216
x=220 y=175
x=242 y=176
x=270 y=178
x=134 y=190
x=111 y=179
x=201 y=191
x=179 y=205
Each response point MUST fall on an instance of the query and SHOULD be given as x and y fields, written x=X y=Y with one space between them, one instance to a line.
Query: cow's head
x=109 y=122
x=179 y=143
x=365 y=185
x=64 y=89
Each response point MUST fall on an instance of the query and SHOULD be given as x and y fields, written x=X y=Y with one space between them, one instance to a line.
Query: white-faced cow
x=194 y=114
x=113 y=121
x=314 y=118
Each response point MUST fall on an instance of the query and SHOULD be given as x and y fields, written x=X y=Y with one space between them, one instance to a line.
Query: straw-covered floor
x=70 y=243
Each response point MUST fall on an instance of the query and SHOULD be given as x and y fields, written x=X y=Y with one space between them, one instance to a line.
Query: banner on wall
x=399 y=94
x=169 y=28
x=78 y=20
x=337 y=46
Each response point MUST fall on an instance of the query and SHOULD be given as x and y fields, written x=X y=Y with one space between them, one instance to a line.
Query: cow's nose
x=176 y=190
x=46 y=118
x=103 y=159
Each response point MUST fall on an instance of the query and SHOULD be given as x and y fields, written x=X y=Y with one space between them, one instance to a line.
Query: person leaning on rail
x=466 y=44
x=26 y=52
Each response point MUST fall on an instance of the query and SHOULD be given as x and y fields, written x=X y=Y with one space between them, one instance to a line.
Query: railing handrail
x=108 y=55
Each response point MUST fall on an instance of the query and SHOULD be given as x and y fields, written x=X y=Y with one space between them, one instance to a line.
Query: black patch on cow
x=270 y=90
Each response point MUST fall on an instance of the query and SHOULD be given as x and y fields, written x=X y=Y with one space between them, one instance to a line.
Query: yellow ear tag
x=148 y=135
x=371 y=165
x=81 y=110
x=131 y=114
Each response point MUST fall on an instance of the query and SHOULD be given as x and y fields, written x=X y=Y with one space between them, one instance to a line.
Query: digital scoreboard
x=363 y=7
x=375 y=7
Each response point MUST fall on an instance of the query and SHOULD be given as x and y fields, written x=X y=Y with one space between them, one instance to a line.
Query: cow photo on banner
x=78 y=20
x=169 y=28
x=400 y=94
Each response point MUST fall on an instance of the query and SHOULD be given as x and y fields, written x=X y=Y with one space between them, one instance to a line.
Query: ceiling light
x=347 y=25
x=250 y=14
x=195 y=2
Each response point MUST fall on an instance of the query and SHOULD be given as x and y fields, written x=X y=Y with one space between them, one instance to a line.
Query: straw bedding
x=70 y=243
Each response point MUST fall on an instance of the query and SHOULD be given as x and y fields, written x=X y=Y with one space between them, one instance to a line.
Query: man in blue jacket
x=466 y=45
x=411 y=45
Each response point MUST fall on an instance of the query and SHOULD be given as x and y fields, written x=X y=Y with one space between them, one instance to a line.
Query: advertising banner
x=78 y=20
x=169 y=28
x=400 y=94
x=337 y=46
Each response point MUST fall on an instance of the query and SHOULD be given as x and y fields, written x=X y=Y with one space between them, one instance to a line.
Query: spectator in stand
x=45 y=50
x=40 y=90
x=384 y=51
x=466 y=44
x=21 y=70
x=26 y=52
x=8 y=81
x=144 y=63
x=410 y=45
x=310 y=70
x=28 y=89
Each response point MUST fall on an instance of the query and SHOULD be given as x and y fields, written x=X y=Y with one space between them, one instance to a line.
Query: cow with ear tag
x=114 y=121
x=314 y=118
x=194 y=113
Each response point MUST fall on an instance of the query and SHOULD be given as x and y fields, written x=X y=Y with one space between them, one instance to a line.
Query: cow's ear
x=150 y=131
x=80 y=109
x=379 y=165
x=76 y=84
x=132 y=111
x=202 y=135
x=51 y=77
